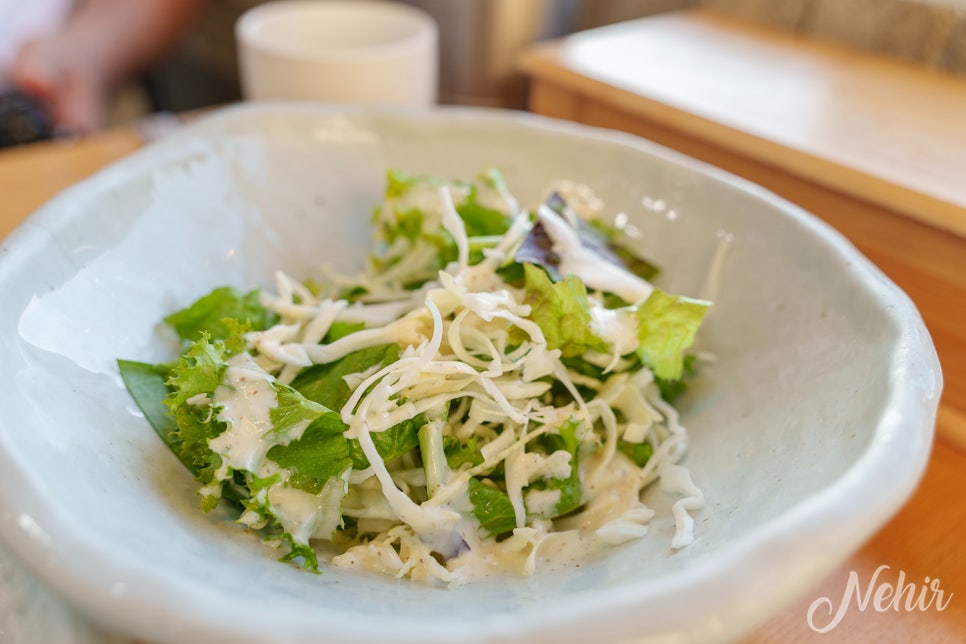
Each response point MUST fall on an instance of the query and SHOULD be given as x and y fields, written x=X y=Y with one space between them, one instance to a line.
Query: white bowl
x=809 y=432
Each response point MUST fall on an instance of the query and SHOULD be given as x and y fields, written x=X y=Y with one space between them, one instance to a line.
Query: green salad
x=491 y=394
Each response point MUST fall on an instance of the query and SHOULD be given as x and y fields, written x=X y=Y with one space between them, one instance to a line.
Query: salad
x=491 y=394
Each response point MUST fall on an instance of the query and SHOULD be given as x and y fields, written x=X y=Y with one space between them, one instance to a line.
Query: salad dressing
x=478 y=423
x=246 y=399
x=577 y=259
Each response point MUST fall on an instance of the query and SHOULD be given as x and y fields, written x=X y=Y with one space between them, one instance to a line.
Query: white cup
x=339 y=51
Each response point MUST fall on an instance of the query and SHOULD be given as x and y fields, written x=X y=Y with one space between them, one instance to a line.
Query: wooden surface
x=923 y=540
x=32 y=174
x=874 y=147
x=875 y=129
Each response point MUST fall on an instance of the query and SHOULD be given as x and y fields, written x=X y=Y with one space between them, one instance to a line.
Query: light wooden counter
x=869 y=127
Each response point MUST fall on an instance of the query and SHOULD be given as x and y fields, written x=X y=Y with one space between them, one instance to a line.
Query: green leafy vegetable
x=208 y=314
x=200 y=370
x=146 y=384
x=409 y=224
x=342 y=329
x=460 y=453
x=303 y=551
x=293 y=409
x=325 y=383
x=398 y=183
x=196 y=426
x=391 y=443
x=571 y=489
x=287 y=460
x=671 y=390
x=562 y=312
x=492 y=508
x=635 y=264
x=667 y=325
x=640 y=453
x=480 y=220
x=321 y=453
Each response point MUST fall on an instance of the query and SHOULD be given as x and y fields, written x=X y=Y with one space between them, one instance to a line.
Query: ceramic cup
x=339 y=51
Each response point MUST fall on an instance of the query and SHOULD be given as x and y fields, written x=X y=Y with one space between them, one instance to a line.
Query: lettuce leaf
x=537 y=249
x=399 y=183
x=667 y=325
x=325 y=383
x=292 y=408
x=321 y=453
x=481 y=220
x=492 y=508
x=595 y=235
x=459 y=453
x=305 y=552
x=200 y=370
x=409 y=224
x=207 y=315
x=391 y=443
x=634 y=263
x=671 y=390
x=562 y=312
x=146 y=384
x=571 y=489
x=640 y=453
x=341 y=329
x=399 y=219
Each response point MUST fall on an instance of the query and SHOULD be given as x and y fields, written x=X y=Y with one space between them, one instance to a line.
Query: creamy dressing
x=542 y=502
x=617 y=327
x=245 y=400
x=597 y=273
x=416 y=519
x=613 y=516
x=300 y=512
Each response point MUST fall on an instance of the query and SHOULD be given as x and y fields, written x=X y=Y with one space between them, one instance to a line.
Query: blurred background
x=480 y=39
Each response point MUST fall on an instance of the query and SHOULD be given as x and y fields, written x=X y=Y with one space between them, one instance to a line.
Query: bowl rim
x=875 y=486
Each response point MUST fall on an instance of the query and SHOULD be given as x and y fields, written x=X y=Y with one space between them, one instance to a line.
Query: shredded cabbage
x=495 y=380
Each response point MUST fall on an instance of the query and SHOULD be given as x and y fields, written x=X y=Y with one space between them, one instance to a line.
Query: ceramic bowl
x=809 y=431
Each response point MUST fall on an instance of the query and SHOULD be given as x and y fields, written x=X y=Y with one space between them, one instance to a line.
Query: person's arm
x=103 y=43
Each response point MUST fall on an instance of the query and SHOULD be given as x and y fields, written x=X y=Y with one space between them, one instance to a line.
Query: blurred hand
x=69 y=86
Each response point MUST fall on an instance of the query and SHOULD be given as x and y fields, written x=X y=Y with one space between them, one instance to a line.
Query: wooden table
x=924 y=539
x=875 y=147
